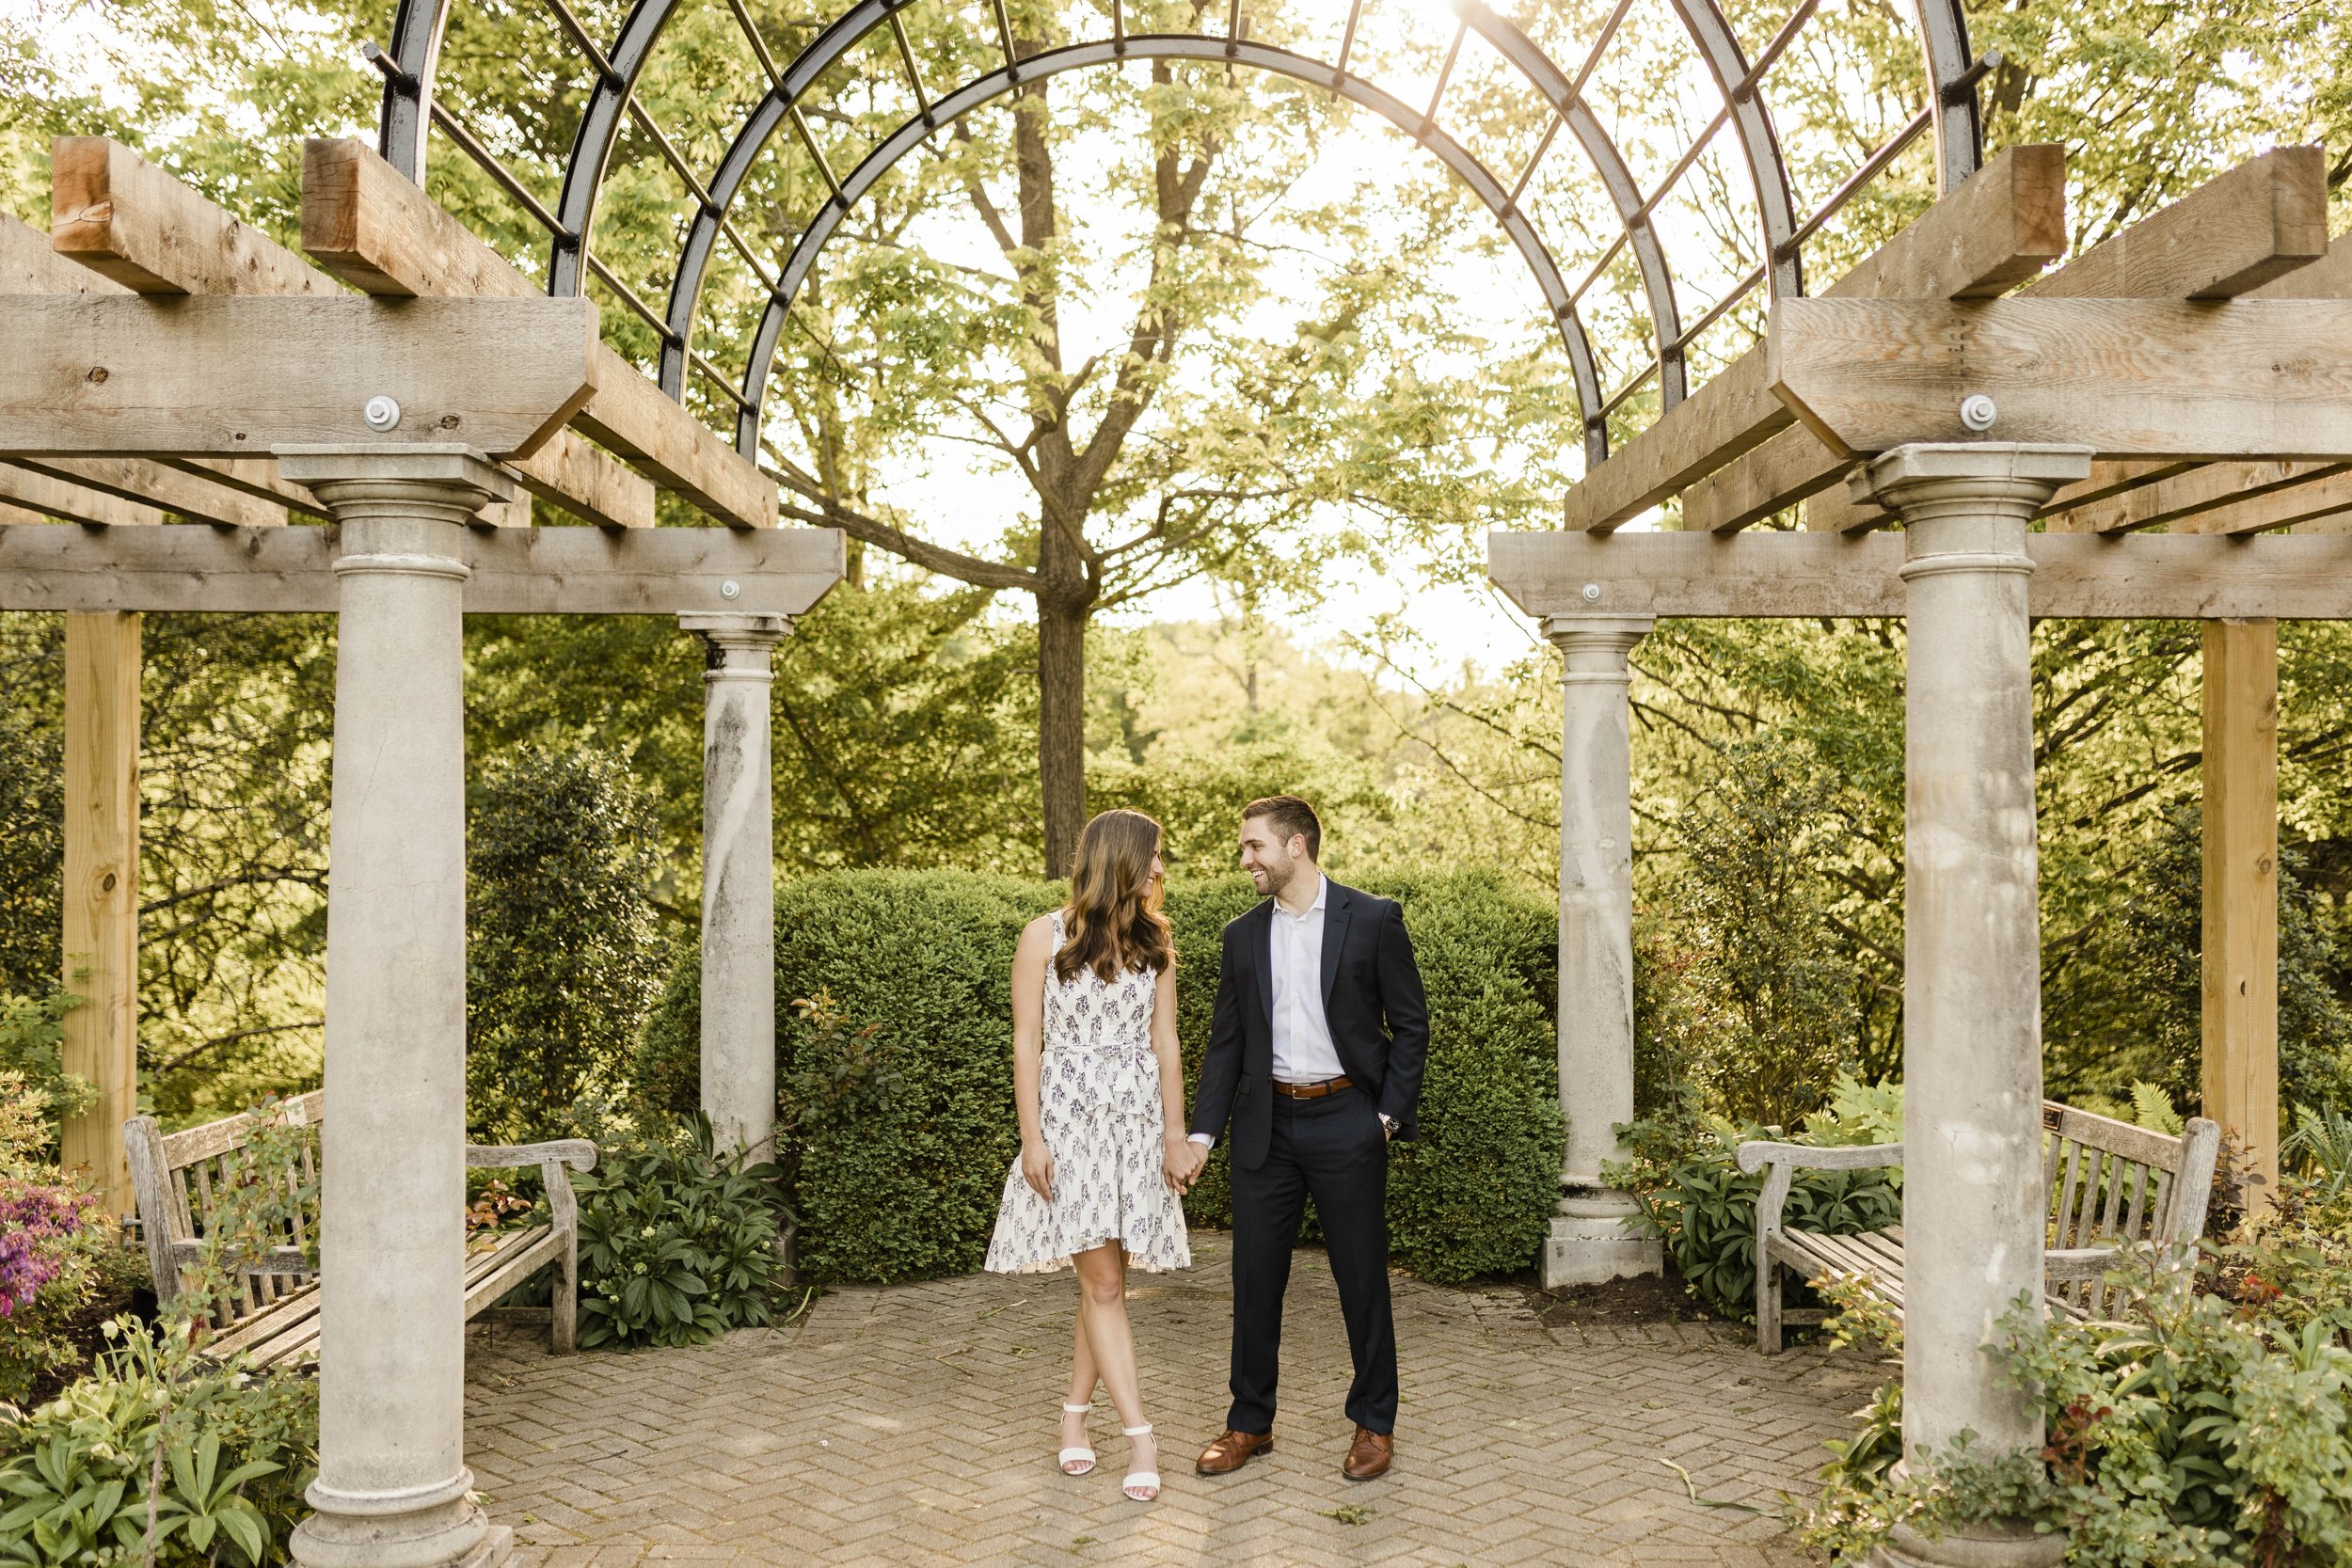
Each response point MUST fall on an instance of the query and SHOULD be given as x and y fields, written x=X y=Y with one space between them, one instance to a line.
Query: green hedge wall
x=908 y=1188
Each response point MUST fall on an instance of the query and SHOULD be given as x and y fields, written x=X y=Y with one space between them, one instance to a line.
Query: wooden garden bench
x=2105 y=1182
x=275 y=1318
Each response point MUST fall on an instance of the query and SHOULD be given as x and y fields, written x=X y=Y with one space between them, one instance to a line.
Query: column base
x=1593 y=1240
x=469 y=1541
x=1976 y=1546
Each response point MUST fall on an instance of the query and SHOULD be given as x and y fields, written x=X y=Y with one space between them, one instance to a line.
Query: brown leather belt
x=1312 y=1091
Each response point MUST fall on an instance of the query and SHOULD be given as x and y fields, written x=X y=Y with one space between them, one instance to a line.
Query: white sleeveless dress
x=1099 y=1109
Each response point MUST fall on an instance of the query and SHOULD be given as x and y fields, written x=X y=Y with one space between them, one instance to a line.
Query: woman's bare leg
x=1102 y=1318
x=1082 y=1377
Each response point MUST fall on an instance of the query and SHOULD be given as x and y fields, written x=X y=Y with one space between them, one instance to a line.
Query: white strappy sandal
x=1141 y=1486
x=1082 y=1458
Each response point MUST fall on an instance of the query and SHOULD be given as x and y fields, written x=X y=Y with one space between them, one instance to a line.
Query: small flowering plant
x=35 y=1224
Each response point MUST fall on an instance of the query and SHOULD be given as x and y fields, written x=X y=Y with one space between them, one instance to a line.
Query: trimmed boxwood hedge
x=908 y=1188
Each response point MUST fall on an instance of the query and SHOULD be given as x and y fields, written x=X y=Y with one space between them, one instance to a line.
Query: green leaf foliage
x=158 y=1456
x=561 y=954
x=678 y=1244
x=906 y=1185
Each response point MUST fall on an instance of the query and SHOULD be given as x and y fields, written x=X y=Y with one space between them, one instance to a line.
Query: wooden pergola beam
x=2254 y=229
x=2195 y=499
x=568 y=571
x=2241 y=229
x=121 y=217
x=198 y=499
x=2127 y=378
x=383 y=235
x=69 y=502
x=2003 y=225
x=124 y=218
x=233 y=376
x=1809 y=576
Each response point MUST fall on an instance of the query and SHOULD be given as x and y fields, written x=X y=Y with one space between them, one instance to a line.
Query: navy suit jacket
x=1372 y=1001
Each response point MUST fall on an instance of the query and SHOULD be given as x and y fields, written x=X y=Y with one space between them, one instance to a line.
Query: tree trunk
x=1061 y=700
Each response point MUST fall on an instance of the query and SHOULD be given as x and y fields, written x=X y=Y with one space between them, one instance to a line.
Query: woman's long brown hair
x=1113 y=920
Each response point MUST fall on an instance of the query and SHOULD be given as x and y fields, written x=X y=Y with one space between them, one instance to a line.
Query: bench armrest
x=1781 y=1161
x=1754 y=1157
x=2072 y=1265
x=578 y=1153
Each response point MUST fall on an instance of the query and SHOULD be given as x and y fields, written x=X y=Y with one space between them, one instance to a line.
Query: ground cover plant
x=677 y=1242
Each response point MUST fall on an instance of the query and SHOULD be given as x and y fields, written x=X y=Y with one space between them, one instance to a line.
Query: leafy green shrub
x=904 y=1184
x=562 y=958
x=2191 y=1433
x=676 y=1245
x=32 y=1050
x=158 y=1457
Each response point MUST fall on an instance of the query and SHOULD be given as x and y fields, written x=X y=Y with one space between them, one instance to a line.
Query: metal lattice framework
x=1740 y=84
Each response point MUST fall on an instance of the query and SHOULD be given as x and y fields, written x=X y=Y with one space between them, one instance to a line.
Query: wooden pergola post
x=101 y=891
x=2241 y=889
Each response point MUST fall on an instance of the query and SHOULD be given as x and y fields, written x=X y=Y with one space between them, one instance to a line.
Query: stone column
x=1590 y=1240
x=739 y=1011
x=1973 y=1200
x=392 y=1482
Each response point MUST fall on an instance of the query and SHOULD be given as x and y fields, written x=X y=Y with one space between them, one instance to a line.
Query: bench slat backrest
x=2106 y=1182
x=176 y=1176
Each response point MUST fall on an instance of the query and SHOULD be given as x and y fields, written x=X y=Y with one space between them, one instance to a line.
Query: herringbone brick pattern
x=913 y=1425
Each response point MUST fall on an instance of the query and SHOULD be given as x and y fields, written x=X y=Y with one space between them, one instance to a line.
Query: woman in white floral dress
x=1103 y=1160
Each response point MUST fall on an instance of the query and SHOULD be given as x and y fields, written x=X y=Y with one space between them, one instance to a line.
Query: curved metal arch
x=1951 y=92
x=407 y=112
x=1752 y=122
x=1544 y=74
x=852 y=29
x=1052 y=62
x=592 y=145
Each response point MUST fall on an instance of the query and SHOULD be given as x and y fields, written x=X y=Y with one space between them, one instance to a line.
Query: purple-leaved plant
x=33 y=1219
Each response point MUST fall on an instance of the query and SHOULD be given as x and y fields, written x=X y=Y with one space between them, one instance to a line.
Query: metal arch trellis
x=1950 y=110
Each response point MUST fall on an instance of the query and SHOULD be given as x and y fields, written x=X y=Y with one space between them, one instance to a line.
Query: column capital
x=1926 y=479
x=435 y=480
x=733 y=628
x=1595 y=646
x=736 y=643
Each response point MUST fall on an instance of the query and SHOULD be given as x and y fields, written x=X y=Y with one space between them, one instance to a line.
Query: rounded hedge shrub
x=907 y=1187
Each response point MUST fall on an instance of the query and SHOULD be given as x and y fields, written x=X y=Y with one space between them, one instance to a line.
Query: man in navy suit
x=1314 y=1057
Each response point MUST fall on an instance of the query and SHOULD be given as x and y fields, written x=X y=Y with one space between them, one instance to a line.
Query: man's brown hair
x=1288 y=815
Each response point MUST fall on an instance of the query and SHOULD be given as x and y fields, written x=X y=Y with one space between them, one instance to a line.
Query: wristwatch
x=1390 y=1122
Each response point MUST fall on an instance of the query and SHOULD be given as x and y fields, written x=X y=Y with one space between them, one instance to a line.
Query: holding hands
x=1183 y=1162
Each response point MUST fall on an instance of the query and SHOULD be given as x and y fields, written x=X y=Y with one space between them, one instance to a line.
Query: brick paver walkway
x=913 y=1425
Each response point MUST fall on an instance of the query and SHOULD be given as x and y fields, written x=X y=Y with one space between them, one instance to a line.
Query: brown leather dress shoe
x=1231 y=1451
x=1369 y=1456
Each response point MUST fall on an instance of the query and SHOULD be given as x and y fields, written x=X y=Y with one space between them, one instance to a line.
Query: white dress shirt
x=1303 y=1052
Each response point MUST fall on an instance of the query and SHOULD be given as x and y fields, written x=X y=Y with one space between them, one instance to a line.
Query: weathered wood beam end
x=2242 y=228
x=380 y=232
x=2267 y=378
x=2004 y=225
x=119 y=216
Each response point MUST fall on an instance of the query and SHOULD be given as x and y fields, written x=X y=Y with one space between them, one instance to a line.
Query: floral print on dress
x=1098 y=1103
